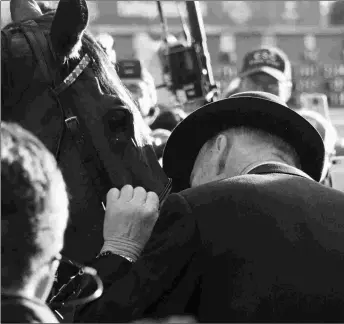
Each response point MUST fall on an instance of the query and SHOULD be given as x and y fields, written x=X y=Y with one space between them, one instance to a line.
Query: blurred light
x=148 y=9
x=106 y=40
x=290 y=10
x=310 y=42
x=269 y=40
x=227 y=43
x=239 y=11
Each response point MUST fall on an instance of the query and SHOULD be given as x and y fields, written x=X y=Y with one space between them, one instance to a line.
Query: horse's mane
x=109 y=81
x=103 y=68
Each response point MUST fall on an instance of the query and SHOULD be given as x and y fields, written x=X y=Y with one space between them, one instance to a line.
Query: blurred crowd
x=265 y=69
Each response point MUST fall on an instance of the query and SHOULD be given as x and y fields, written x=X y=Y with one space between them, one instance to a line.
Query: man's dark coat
x=262 y=247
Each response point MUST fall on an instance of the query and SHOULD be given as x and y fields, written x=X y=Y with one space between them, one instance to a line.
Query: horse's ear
x=24 y=10
x=68 y=26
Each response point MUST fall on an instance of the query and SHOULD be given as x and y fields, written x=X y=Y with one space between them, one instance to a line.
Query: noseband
x=39 y=45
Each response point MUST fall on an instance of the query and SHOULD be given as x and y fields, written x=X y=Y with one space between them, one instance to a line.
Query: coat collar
x=277 y=167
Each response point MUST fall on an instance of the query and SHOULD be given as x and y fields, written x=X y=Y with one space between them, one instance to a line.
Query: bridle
x=39 y=44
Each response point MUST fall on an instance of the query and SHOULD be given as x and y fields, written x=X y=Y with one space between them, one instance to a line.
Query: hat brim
x=190 y=135
x=277 y=74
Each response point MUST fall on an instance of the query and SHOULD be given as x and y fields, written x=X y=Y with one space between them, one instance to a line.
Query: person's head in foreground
x=230 y=137
x=328 y=134
x=265 y=69
x=34 y=206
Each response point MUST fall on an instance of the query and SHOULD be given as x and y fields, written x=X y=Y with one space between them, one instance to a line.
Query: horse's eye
x=118 y=120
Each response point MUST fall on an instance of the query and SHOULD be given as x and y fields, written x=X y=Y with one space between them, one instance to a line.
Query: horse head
x=58 y=83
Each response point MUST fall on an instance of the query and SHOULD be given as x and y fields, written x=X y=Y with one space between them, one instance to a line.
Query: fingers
x=140 y=195
x=112 y=195
x=127 y=193
x=152 y=199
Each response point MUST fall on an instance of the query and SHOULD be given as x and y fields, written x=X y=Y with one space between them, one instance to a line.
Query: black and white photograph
x=172 y=161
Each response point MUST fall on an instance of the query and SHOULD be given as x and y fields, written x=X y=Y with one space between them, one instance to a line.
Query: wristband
x=106 y=253
x=123 y=246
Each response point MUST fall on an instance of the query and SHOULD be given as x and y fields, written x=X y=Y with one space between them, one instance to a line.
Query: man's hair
x=34 y=206
x=272 y=143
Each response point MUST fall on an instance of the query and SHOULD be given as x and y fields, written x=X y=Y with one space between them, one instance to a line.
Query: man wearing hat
x=255 y=239
x=266 y=69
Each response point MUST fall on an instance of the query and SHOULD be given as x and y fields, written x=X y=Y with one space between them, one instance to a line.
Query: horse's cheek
x=43 y=118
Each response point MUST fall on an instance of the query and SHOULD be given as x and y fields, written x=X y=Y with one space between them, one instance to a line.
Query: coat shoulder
x=252 y=208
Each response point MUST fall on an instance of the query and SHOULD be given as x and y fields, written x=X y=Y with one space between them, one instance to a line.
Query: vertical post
x=163 y=23
x=198 y=35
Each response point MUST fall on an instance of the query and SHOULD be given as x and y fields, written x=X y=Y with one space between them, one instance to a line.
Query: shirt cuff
x=126 y=248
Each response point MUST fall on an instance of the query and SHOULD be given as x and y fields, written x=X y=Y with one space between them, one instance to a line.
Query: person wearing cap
x=328 y=134
x=251 y=236
x=141 y=86
x=266 y=69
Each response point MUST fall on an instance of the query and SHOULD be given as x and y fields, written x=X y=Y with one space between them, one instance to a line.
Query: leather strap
x=90 y=159
x=89 y=156
x=265 y=168
x=38 y=42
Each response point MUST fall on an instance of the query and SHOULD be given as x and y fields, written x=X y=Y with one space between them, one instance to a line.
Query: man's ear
x=220 y=153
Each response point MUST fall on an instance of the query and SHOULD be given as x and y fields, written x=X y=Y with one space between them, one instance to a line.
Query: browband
x=71 y=78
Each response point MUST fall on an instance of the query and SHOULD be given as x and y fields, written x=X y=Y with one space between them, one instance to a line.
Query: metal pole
x=163 y=23
x=199 y=36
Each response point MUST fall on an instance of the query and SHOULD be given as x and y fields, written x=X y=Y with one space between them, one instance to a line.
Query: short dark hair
x=34 y=205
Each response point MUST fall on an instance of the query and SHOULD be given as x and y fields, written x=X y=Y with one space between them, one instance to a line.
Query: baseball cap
x=270 y=60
